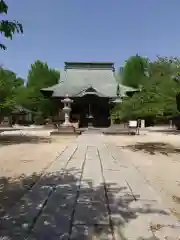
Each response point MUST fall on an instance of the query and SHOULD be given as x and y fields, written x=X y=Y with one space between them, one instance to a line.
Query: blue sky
x=96 y=30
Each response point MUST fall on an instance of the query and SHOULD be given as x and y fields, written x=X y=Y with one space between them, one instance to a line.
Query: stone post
x=170 y=124
x=142 y=123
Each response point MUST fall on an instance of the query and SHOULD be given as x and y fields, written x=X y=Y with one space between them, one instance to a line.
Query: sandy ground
x=162 y=172
x=21 y=165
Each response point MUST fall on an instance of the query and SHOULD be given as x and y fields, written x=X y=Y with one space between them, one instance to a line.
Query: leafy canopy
x=157 y=96
x=8 y=28
x=14 y=93
x=41 y=76
x=10 y=90
x=134 y=71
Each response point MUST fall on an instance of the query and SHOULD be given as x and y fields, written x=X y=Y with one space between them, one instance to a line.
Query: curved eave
x=127 y=88
x=52 y=88
x=118 y=100
x=43 y=90
x=48 y=92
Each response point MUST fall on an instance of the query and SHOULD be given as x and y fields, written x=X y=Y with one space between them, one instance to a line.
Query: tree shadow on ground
x=154 y=147
x=60 y=206
x=17 y=139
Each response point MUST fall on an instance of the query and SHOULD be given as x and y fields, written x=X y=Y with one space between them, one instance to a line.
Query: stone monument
x=66 y=127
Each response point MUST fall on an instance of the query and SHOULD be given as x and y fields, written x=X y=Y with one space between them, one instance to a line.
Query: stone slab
x=92 y=166
x=62 y=160
x=91 y=213
x=115 y=180
x=67 y=177
x=136 y=229
x=107 y=160
x=135 y=218
x=149 y=207
x=135 y=181
x=138 y=186
x=55 y=219
x=136 y=211
x=77 y=160
x=47 y=236
x=142 y=227
x=21 y=217
x=148 y=215
x=97 y=232
x=91 y=206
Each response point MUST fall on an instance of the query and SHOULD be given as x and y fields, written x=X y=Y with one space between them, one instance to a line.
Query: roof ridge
x=89 y=65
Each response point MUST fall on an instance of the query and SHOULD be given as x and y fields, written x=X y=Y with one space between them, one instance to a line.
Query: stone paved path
x=93 y=192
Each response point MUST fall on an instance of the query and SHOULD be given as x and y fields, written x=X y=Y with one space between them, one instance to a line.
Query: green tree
x=157 y=98
x=134 y=73
x=9 y=90
x=41 y=76
x=8 y=28
x=22 y=96
x=167 y=71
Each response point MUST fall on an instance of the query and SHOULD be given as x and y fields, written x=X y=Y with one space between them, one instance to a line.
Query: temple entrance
x=94 y=111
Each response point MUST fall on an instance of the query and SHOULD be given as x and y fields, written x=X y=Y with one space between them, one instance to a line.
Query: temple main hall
x=94 y=89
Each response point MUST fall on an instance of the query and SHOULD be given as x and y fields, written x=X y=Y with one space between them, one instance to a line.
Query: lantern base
x=65 y=130
x=66 y=124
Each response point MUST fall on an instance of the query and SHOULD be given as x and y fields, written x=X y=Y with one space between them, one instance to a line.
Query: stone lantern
x=67 y=109
x=66 y=127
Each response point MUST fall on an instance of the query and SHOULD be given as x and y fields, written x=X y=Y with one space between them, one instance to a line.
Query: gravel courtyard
x=89 y=187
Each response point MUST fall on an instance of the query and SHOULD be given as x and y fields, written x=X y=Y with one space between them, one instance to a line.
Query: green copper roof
x=76 y=79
